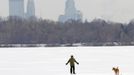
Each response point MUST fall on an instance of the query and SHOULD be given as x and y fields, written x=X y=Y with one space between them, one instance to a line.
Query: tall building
x=30 y=9
x=71 y=13
x=16 y=8
x=70 y=7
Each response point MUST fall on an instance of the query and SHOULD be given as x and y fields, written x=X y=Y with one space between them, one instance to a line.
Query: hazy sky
x=114 y=10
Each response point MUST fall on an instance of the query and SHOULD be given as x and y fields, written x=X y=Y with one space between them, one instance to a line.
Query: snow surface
x=51 y=61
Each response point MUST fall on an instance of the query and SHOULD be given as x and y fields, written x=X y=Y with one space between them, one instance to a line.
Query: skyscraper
x=16 y=8
x=71 y=13
x=70 y=7
x=30 y=9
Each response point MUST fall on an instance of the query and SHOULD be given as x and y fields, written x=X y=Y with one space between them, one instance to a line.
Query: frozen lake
x=51 y=61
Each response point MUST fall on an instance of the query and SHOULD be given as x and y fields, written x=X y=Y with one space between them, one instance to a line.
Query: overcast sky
x=114 y=10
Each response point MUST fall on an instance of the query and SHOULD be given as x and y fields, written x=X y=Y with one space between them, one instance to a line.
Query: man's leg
x=73 y=69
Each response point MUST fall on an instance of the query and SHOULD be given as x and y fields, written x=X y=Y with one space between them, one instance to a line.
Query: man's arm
x=76 y=61
x=68 y=61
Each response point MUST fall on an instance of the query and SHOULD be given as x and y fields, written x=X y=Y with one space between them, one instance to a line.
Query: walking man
x=72 y=62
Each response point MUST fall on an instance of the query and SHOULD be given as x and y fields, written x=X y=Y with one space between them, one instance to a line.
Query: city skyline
x=71 y=13
x=114 y=10
x=16 y=8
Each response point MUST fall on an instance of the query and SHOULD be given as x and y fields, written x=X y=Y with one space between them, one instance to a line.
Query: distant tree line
x=40 y=31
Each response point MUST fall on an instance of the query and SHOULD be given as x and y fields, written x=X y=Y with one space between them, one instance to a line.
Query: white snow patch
x=51 y=61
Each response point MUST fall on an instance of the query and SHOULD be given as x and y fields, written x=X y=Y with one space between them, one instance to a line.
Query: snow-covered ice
x=51 y=61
